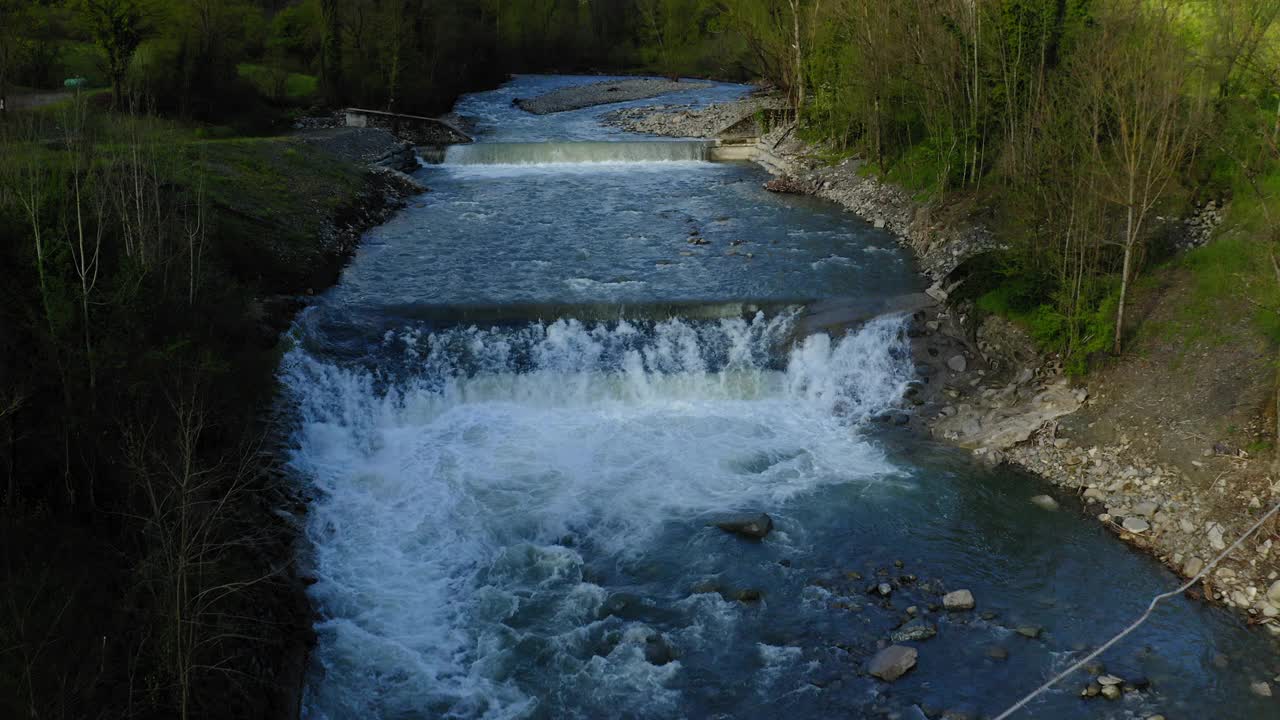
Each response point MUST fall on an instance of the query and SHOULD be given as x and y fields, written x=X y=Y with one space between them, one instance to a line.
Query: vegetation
x=1076 y=124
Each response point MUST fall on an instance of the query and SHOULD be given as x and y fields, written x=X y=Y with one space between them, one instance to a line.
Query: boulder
x=1044 y=502
x=753 y=527
x=914 y=631
x=892 y=662
x=958 y=600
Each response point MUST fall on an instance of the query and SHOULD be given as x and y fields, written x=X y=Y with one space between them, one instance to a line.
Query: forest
x=133 y=366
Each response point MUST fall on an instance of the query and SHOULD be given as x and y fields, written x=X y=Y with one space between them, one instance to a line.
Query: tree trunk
x=797 y=78
x=1129 y=242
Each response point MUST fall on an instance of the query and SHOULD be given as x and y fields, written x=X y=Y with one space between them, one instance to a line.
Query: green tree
x=118 y=27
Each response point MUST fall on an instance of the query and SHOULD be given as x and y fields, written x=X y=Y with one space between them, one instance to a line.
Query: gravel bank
x=602 y=93
x=688 y=121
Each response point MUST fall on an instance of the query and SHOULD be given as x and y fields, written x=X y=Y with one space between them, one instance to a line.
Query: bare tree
x=1137 y=74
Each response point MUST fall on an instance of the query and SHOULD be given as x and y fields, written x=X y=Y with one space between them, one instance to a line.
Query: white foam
x=441 y=498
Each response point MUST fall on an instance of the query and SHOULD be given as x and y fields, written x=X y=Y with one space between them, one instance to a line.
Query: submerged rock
x=892 y=662
x=657 y=651
x=754 y=527
x=1030 y=631
x=958 y=600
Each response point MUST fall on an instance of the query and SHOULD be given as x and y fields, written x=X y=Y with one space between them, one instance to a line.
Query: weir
x=546 y=153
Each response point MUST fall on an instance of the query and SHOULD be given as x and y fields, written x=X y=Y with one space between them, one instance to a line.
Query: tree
x=118 y=27
x=1137 y=74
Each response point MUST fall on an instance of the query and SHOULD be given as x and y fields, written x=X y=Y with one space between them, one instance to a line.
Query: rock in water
x=755 y=527
x=1031 y=631
x=892 y=662
x=916 y=630
x=1045 y=502
x=958 y=600
x=1261 y=689
x=657 y=651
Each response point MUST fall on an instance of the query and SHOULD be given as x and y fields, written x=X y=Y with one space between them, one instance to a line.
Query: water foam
x=457 y=507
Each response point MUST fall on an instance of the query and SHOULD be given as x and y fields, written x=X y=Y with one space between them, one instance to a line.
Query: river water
x=529 y=394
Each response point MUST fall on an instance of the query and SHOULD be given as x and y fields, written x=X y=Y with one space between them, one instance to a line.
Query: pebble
x=1273 y=592
x=1111 y=692
x=1261 y=689
x=957 y=363
x=1192 y=567
x=1094 y=494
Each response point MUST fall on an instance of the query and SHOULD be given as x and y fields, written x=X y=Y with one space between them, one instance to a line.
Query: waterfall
x=444 y=495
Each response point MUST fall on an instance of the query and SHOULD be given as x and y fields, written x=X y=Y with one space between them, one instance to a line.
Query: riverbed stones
x=1261 y=689
x=1030 y=631
x=1111 y=692
x=958 y=600
x=1044 y=502
x=957 y=363
x=1136 y=524
x=1192 y=566
x=752 y=527
x=892 y=662
x=1273 y=592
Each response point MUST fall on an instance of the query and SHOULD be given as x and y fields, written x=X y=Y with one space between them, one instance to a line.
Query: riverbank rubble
x=984 y=385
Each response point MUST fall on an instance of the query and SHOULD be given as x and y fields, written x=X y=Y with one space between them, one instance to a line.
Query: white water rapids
x=457 y=505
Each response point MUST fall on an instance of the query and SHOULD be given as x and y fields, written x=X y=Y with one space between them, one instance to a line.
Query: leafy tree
x=118 y=27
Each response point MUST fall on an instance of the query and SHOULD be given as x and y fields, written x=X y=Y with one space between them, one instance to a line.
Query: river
x=529 y=394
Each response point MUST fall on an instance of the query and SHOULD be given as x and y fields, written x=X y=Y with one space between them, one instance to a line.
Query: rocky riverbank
x=577 y=97
x=1183 y=496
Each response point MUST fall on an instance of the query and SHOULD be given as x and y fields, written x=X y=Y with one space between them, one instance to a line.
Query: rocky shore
x=985 y=386
x=688 y=121
x=602 y=93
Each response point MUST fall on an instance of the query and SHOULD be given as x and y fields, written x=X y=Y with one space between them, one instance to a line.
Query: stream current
x=529 y=394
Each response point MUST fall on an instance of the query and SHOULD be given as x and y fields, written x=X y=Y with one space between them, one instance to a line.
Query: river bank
x=1180 y=493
